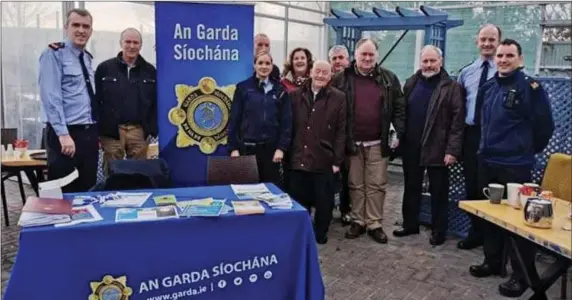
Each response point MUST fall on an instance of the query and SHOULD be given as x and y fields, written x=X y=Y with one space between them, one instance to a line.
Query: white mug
x=513 y=194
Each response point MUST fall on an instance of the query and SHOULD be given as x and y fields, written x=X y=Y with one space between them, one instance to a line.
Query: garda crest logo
x=110 y=288
x=202 y=114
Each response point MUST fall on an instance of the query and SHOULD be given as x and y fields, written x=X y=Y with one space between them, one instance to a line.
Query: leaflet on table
x=82 y=214
x=31 y=219
x=207 y=207
x=249 y=191
x=247 y=207
x=122 y=199
x=278 y=201
x=165 y=200
x=146 y=214
x=53 y=188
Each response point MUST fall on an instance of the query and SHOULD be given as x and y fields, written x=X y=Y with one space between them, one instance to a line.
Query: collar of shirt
x=480 y=61
x=75 y=50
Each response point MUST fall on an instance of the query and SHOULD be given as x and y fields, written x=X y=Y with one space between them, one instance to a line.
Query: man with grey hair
x=432 y=141
x=339 y=58
x=374 y=100
x=318 y=142
x=262 y=43
x=126 y=91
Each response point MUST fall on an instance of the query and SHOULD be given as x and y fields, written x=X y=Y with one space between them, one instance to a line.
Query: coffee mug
x=513 y=194
x=494 y=192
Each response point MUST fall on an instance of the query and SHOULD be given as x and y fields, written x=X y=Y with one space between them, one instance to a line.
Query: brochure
x=165 y=200
x=247 y=207
x=122 y=199
x=146 y=214
x=82 y=214
x=207 y=207
x=278 y=201
x=249 y=191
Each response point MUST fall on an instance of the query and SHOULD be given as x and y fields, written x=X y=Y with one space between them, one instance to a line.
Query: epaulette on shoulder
x=56 y=46
x=463 y=67
x=90 y=56
x=532 y=82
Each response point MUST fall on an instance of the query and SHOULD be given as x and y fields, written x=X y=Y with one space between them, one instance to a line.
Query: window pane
x=270 y=9
x=307 y=36
x=316 y=5
x=27 y=29
x=308 y=16
x=275 y=30
x=104 y=42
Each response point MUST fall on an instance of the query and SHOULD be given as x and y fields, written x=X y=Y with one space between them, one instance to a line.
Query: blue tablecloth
x=271 y=256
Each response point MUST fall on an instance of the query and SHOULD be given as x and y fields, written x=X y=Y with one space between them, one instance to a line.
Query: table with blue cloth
x=270 y=256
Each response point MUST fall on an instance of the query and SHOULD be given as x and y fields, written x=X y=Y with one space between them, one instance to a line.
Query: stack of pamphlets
x=165 y=200
x=278 y=201
x=249 y=191
x=122 y=199
x=247 y=207
x=45 y=211
x=207 y=207
x=146 y=214
x=82 y=214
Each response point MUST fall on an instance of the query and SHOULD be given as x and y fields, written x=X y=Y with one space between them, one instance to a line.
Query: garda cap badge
x=110 y=288
x=202 y=114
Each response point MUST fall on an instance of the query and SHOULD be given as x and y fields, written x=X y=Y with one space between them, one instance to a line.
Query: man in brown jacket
x=374 y=100
x=432 y=141
x=318 y=140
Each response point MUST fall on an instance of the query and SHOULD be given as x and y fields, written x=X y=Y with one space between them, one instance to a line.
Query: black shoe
x=405 y=232
x=484 y=270
x=355 y=231
x=513 y=288
x=378 y=235
x=469 y=243
x=322 y=240
x=437 y=239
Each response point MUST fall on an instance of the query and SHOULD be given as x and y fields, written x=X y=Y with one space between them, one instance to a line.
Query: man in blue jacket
x=516 y=124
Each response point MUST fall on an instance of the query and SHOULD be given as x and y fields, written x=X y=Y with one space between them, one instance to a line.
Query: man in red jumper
x=374 y=101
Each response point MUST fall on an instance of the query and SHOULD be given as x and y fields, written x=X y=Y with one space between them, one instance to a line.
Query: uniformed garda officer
x=471 y=78
x=516 y=124
x=68 y=102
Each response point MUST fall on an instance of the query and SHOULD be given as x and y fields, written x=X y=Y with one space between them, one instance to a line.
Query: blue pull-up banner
x=203 y=50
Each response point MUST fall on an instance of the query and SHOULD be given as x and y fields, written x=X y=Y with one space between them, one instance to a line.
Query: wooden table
x=33 y=168
x=555 y=239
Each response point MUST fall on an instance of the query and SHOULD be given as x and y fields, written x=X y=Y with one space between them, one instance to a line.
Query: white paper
x=53 y=188
x=91 y=216
x=121 y=199
x=249 y=191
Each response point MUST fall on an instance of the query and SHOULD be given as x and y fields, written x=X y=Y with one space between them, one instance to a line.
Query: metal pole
x=393 y=47
x=540 y=40
x=286 y=18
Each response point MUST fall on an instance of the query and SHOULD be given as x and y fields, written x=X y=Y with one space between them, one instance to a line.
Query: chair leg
x=563 y=283
x=21 y=186
x=505 y=255
x=5 y=205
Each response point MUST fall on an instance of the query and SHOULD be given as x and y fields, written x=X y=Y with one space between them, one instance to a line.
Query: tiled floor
x=407 y=268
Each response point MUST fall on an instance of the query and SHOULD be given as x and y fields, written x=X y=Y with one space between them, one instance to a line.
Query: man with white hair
x=318 y=143
x=374 y=100
x=339 y=57
x=432 y=141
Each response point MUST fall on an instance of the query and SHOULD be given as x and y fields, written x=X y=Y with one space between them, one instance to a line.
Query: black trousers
x=495 y=236
x=473 y=190
x=314 y=190
x=344 y=191
x=85 y=160
x=268 y=171
x=438 y=187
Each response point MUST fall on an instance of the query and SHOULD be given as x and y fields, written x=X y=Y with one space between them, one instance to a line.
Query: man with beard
x=471 y=78
x=432 y=141
x=374 y=100
x=127 y=96
x=262 y=44
x=339 y=59
x=318 y=144
x=69 y=104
